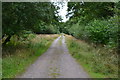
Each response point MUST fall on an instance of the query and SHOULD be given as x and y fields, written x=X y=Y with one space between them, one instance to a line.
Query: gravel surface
x=56 y=62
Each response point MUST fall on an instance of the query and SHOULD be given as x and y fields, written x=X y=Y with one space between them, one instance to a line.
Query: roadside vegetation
x=18 y=55
x=22 y=24
x=96 y=24
x=95 y=27
x=100 y=62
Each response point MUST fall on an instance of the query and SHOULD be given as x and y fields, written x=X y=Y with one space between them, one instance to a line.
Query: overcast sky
x=63 y=10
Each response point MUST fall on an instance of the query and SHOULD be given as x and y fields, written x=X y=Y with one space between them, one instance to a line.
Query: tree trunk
x=3 y=36
x=7 y=40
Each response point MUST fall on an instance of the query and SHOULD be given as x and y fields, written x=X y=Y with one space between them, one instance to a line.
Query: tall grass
x=18 y=55
x=100 y=62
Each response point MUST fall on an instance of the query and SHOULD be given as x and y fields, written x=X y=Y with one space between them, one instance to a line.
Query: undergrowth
x=100 y=62
x=18 y=55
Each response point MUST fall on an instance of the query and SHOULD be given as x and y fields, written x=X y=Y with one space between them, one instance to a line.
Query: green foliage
x=94 y=22
x=43 y=28
x=74 y=30
x=103 y=31
x=97 y=31
x=78 y=31
x=35 y=17
x=91 y=10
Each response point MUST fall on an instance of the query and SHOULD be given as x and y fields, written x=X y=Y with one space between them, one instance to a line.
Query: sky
x=63 y=10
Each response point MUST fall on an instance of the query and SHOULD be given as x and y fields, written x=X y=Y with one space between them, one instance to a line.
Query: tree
x=26 y=16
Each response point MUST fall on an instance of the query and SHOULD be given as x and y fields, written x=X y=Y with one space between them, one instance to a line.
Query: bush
x=42 y=28
x=103 y=31
x=98 y=31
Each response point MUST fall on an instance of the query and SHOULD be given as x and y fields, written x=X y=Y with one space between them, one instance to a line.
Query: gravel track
x=56 y=62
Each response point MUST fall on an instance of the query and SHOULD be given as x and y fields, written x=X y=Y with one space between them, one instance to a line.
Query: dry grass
x=99 y=62
x=16 y=58
x=45 y=36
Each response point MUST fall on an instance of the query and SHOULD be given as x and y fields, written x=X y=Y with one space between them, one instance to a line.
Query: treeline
x=23 y=18
x=94 y=22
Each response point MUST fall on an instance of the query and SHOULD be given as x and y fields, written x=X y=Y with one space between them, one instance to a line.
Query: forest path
x=55 y=63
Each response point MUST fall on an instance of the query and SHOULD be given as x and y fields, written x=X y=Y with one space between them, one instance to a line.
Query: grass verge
x=17 y=56
x=99 y=62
